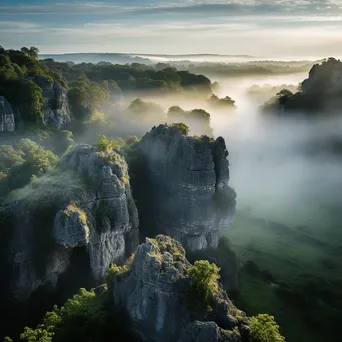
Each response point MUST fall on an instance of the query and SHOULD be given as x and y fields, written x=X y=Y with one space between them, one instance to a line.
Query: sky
x=269 y=28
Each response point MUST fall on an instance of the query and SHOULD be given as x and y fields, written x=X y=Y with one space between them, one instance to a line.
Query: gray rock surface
x=7 y=120
x=55 y=108
x=87 y=204
x=189 y=180
x=209 y=332
x=154 y=294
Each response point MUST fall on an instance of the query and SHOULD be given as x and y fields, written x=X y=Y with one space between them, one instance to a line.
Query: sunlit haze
x=270 y=28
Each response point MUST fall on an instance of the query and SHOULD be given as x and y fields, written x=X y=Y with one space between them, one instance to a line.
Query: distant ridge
x=143 y=54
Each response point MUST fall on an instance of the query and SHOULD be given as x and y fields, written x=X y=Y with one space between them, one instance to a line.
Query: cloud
x=233 y=27
x=240 y=7
x=17 y=25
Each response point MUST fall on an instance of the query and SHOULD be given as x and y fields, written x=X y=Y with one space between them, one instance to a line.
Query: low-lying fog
x=278 y=166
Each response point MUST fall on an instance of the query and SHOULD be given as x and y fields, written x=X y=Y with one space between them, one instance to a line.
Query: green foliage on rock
x=23 y=164
x=31 y=101
x=205 y=278
x=264 y=328
x=105 y=144
x=198 y=120
x=86 y=97
x=182 y=128
x=18 y=74
x=119 y=271
x=84 y=317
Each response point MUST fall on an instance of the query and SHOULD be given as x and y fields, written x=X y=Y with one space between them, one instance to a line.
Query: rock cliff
x=86 y=205
x=7 y=122
x=186 y=193
x=56 y=108
x=157 y=294
x=319 y=94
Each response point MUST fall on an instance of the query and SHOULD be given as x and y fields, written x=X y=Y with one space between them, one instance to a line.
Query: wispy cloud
x=177 y=26
x=238 y=7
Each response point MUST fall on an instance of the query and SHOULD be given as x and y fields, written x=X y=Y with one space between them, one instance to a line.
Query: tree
x=264 y=328
x=283 y=96
x=25 y=50
x=31 y=101
x=205 y=278
x=40 y=334
x=182 y=128
x=33 y=52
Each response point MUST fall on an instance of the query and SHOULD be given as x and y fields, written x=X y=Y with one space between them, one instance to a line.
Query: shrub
x=73 y=207
x=182 y=128
x=83 y=317
x=205 y=278
x=105 y=144
x=115 y=270
x=263 y=328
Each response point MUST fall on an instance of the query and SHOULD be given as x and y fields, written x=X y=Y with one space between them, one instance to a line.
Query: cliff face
x=319 y=94
x=87 y=206
x=324 y=79
x=187 y=181
x=56 y=107
x=7 y=122
x=155 y=292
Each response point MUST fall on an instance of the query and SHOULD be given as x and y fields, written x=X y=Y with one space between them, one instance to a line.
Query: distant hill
x=123 y=58
x=115 y=58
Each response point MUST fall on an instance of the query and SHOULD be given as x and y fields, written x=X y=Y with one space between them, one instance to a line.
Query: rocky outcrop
x=319 y=94
x=56 y=108
x=324 y=79
x=187 y=186
x=155 y=291
x=7 y=122
x=85 y=205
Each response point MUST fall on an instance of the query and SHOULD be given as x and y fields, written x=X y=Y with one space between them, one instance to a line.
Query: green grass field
x=291 y=270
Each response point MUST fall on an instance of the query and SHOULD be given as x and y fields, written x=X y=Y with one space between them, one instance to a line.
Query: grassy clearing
x=306 y=274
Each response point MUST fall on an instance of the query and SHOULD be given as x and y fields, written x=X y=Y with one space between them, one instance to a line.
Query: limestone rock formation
x=187 y=180
x=324 y=79
x=319 y=94
x=7 y=122
x=154 y=293
x=56 y=108
x=85 y=205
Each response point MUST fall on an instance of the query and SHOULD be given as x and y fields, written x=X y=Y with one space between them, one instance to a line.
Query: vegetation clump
x=84 y=317
x=23 y=164
x=264 y=328
x=182 y=128
x=198 y=120
x=205 y=278
x=226 y=102
x=87 y=97
x=18 y=72
x=115 y=271
x=73 y=207
x=169 y=245
x=105 y=144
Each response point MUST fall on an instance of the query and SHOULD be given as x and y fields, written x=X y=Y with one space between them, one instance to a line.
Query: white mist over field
x=277 y=165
